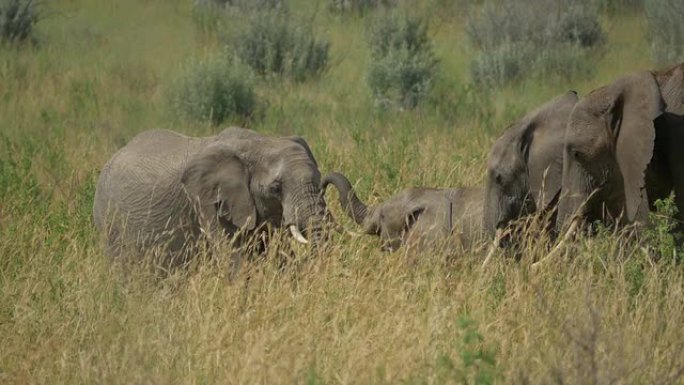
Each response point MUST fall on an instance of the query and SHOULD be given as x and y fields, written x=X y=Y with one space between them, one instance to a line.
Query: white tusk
x=493 y=247
x=297 y=235
x=566 y=237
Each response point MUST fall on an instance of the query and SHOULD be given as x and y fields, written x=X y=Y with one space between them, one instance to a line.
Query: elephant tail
x=351 y=204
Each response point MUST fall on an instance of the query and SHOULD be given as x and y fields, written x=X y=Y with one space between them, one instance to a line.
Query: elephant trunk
x=351 y=204
x=309 y=219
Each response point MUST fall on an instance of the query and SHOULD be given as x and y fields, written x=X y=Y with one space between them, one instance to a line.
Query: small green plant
x=270 y=44
x=476 y=364
x=662 y=233
x=666 y=30
x=214 y=89
x=519 y=39
x=402 y=61
x=17 y=20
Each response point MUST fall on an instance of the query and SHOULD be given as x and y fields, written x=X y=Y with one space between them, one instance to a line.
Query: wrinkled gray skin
x=166 y=189
x=623 y=149
x=524 y=168
x=415 y=216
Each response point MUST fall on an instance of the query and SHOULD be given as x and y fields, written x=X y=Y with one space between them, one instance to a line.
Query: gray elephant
x=524 y=167
x=623 y=150
x=415 y=217
x=168 y=190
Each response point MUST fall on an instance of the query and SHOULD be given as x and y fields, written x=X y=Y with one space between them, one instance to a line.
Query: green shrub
x=212 y=90
x=359 y=6
x=17 y=20
x=518 y=39
x=666 y=30
x=270 y=44
x=402 y=61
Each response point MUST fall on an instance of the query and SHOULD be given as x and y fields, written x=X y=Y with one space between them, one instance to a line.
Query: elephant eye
x=576 y=154
x=499 y=179
x=275 y=188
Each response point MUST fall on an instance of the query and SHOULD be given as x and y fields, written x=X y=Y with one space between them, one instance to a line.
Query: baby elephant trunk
x=350 y=203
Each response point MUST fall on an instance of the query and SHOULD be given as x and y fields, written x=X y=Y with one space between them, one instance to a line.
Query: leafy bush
x=666 y=29
x=517 y=39
x=402 y=61
x=214 y=90
x=17 y=19
x=359 y=6
x=271 y=45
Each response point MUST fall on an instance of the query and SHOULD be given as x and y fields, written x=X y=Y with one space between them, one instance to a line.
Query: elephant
x=524 y=165
x=167 y=190
x=414 y=217
x=622 y=150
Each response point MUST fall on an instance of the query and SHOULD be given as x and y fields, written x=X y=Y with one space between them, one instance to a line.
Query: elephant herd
x=608 y=156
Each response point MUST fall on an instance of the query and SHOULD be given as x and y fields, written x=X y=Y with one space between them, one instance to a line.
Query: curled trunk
x=351 y=204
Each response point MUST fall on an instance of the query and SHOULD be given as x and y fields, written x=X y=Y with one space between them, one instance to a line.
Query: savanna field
x=92 y=74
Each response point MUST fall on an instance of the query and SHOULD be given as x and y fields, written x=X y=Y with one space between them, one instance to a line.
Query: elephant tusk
x=493 y=247
x=559 y=246
x=297 y=235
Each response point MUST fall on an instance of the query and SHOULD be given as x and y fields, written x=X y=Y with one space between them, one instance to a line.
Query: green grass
x=349 y=315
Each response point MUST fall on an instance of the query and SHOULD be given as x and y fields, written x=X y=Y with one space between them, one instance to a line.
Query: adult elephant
x=623 y=150
x=524 y=167
x=168 y=190
x=414 y=217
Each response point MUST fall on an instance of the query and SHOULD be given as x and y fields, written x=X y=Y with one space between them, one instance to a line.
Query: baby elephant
x=415 y=216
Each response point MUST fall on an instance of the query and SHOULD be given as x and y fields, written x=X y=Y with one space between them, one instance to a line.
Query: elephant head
x=391 y=220
x=525 y=164
x=244 y=180
x=609 y=144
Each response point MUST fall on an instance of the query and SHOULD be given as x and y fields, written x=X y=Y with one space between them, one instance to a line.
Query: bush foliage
x=271 y=43
x=402 y=62
x=666 y=30
x=517 y=39
x=212 y=90
x=17 y=20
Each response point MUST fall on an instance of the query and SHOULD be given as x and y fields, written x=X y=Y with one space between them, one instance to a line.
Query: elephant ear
x=219 y=182
x=542 y=144
x=300 y=141
x=635 y=102
x=671 y=84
